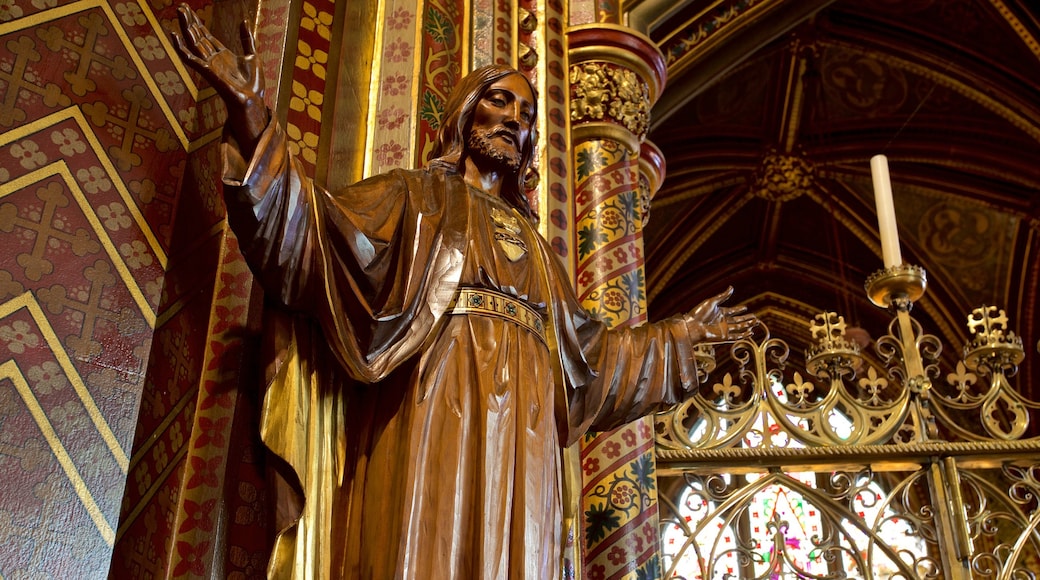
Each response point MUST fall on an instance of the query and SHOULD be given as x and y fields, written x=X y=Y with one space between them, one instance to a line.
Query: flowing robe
x=427 y=442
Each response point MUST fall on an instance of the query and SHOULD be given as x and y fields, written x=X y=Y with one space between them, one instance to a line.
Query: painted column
x=615 y=77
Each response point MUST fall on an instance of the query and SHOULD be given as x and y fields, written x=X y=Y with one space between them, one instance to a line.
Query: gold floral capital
x=616 y=75
x=602 y=91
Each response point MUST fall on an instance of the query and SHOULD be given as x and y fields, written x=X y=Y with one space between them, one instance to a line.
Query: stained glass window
x=770 y=525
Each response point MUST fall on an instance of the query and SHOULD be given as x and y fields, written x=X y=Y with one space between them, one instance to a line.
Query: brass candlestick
x=899 y=284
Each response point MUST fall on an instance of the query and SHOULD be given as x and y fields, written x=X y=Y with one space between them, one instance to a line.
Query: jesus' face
x=502 y=122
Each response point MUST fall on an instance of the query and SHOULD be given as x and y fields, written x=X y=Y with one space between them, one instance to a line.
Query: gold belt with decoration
x=496 y=304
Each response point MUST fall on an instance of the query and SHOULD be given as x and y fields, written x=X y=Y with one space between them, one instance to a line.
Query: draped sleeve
x=613 y=376
x=375 y=263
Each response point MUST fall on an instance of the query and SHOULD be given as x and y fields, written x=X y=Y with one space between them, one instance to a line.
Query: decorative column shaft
x=615 y=77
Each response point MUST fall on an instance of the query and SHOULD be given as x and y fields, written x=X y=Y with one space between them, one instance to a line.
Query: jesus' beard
x=481 y=146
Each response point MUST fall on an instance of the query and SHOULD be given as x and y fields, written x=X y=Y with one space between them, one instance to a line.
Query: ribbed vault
x=768 y=125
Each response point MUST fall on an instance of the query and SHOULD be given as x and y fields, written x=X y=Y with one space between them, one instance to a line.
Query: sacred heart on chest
x=507 y=234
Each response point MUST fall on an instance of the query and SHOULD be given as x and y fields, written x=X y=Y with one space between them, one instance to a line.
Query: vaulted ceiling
x=771 y=114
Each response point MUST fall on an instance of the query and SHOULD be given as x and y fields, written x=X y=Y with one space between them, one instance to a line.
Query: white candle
x=886 y=211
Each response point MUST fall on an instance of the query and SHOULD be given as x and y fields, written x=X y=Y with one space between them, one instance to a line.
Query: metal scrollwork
x=1000 y=510
x=882 y=453
x=837 y=412
x=993 y=352
x=840 y=542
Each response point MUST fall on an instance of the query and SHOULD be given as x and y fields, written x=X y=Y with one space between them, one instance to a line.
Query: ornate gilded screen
x=853 y=469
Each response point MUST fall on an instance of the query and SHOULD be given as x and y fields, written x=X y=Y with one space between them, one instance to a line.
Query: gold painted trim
x=142 y=69
x=28 y=301
x=153 y=438
x=1017 y=26
x=546 y=128
x=182 y=71
x=279 y=80
x=413 y=143
x=600 y=131
x=349 y=88
x=612 y=26
x=184 y=492
x=75 y=114
x=466 y=37
x=484 y=302
x=707 y=46
x=570 y=456
x=219 y=228
x=205 y=139
x=374 y=88
x=330 y=108
x=514 y=34
x=11 y=371
x=61 y=169
x=146 y=76
x=45 y=16
x=643 y=15
x=971 y=454
x=130 y=518
x=650 y=171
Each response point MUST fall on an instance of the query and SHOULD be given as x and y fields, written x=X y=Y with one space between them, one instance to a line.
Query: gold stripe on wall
x=167 y=44
x=61 y=169
x=146 y=76
x=29 y=302
x=75 y=114
x=172 y=415
x=186 y=253
x=45 y=16
x=10 y=370
x=414 y=140
x=1028 y=39
x=160 y=480
x=374 y=88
